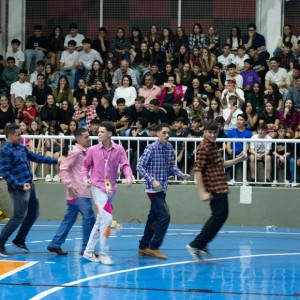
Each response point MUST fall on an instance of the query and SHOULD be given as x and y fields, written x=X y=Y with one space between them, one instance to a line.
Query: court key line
x=15 y=270
x=53 y=290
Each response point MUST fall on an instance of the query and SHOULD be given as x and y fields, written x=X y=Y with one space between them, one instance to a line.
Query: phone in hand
x=167 y=85
x=230 y=86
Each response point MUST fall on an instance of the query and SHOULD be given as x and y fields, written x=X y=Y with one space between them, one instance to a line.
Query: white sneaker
x=133 y=179
x=294 y=184
x=90 y=256
x=184 y=181
x=56 y=178
x=194 y=252
x=274 y=183
x=231 y=182
x=34 y=178
x=123 y=181
x=106 y=260
x=48 y=178
x=287 y=183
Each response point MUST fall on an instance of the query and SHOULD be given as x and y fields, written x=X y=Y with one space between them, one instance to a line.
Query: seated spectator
x=276 y=75
x=50 y=113
x=286 y=57
x=251 y=116
x=149 y=91
x=226 y=58
x=168 y=70
x=75 y=36
x=215 y=109
x=217 y=77
x=256 y=40
x=260 y=66
x=63 y=90
x=207 y=60
x=53 y=148
x=294 y=94
x=208 y=94
x=232 y=73
x=197 y=73
x=270 y=118
x=29 y=111
x=235 y=149
x=125 y=91
x=257 y=97
x=213 y=41
x=69 y=62
x=196 y=110
x=95 y=74
x=197 y=38
x=138 y=110
x=292 y=76
x=152 y=37
x=232 y=90
x=119 y=46
x=260 y=151
x=169 y=93
x=105 y=111
x=4 y=89
x=120 y=72
x=167 y=43
x=69 y=144
x=40 y=91
x=230 y=114
x=36 y=47
x=289 y=117
x=51 y=76
x=80 y=90
x=185 y=75
x=6 y=113
x=221 y=135
x=177 y=112
x=95 y=101
x=158 y=57
x=297 y=53
x=16 y=53
x=20 y=88
x=55 y=45
x=195 y=56
x=19 y=104
x=67 y=112
x=121 y=117
x=281 y=152
x=181 y=39
x=40 y=69
x=181 y=57
x=250 y=77
x=101 y=44
x=157 y=114
x=235 y=39
x=85 y=112
x=10 y=73
x=287 y=36
x=25 y=131
x=108 y=74
x=98 y=91
x=157 y=76
x=273 y=94
x=240 y=58
x=94 y=127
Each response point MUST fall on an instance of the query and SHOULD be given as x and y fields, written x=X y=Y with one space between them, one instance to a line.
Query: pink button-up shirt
x=101 y=166
x=149 y=94
x=70 y=172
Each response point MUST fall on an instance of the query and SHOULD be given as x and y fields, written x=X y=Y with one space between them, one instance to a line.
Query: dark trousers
x=219 y=208
x=157 y=223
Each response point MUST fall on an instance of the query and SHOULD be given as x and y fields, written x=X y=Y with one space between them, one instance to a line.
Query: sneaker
x=95 y=253
x=274 y=183
x=106 y=260
x=287 y=183
x=123 y=181
x=194 y=252
x=133 y=179
x=56 y=178
x=58 y=251
x=183 y=181
x=34 y=178
x=48 y=178
x=90 y=256
x=152 y=252
x=294 y=184
x=231 y=182
x=21 y=246
x=3 y=252
x=205 y=252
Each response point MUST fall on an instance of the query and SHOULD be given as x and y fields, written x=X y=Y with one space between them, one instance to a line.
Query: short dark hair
x=241 y=47
x=176 y=101
x=37 y=27
x=251 y=25
x=41 y=62
x=121 y=101
x=297 y=67
x=11 y=58
x=86 y=41
x=109 y=126
x=288 y=45
x=179 y=119
x=154 y=102
x=249 y=61
x=10 y=128
x=15 y=41
x=79 y=131
x=72 y=43
x=220 y=120
x=103 y=29
x=143 y=122
x=211 y=125
x=274 y=58
x=281 y=126
x=231 y=66
x=196 y=119
x=73 y=26
x=160 y=126
x=95 y=121
x=140 y=99
x=23 y=71
x=242 y=116
x=108 y=98
x=262 y=126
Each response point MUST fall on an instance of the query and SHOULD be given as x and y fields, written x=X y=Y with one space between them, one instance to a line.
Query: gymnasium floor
x=246 y=263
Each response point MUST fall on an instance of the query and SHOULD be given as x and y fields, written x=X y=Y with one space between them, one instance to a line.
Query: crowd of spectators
x=64 y=82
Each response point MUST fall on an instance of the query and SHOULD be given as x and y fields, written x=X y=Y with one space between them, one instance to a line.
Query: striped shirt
x=210 y=163
x=157 y=163
x=15 y=164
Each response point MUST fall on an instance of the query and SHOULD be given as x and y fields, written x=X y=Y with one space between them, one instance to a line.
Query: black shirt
x=182 y=114
x=105 y=114
x=158 y=118
x=41 y=94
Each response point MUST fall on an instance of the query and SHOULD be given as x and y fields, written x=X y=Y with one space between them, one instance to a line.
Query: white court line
x=14 y=271
x=53 y=290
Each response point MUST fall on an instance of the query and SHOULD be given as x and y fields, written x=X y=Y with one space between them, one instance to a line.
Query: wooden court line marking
x=25 y=265
x=53 y=290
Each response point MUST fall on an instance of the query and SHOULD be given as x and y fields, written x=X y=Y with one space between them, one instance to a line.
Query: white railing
x=240 y=172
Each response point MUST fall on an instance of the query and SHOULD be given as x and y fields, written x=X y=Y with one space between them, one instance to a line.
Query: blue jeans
x=157 y=223
x=26 y=211
x=30 y=54
x=81 y=205
x=292 y=170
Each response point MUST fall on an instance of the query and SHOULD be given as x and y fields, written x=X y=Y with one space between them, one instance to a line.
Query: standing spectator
x=16 y=53
x=36 y=47
x=14 y=168
x=156 y=165
x=101 y=44
x=55 y=45
x=75 y=36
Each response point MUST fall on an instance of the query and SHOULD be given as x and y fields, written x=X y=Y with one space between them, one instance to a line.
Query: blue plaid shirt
x=15 y=164
x=157 y=163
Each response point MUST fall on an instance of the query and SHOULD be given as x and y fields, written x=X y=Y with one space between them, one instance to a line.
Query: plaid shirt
x=90 y=114
x=193 y=41
x=285 y=60
x=210 y=163
x=15 y=164
x=157 y=163
x=290 y=121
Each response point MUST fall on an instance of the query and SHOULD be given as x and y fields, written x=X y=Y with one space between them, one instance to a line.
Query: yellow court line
x=10 y=267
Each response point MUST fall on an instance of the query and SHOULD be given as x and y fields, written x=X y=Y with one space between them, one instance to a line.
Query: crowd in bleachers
x=60 y=83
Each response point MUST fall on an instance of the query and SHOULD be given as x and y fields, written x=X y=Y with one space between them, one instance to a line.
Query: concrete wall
x=270 y=206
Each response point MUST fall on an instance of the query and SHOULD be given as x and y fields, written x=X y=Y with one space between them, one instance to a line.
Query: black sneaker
x=205 y=252
x=58 y=251
x=3 y=252
x=21 y=246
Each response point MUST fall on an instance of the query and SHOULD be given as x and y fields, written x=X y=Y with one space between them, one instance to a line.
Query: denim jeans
x=157 y=223
x=26 y=211
x=219 y=208
x=292 y=170
x=31 y=53
x=80 y=205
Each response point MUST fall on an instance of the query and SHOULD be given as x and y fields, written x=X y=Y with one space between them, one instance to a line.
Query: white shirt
x=239 y=80
x=18 y=56
x=87 y=58
x=21 y=89
x=276 y=77
x=239 y=61
x=225 y=61
x=261 y=147
x=78 y=39
x=240 y=92
x=69 y=59
x=232 y=124
x=129 y=94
